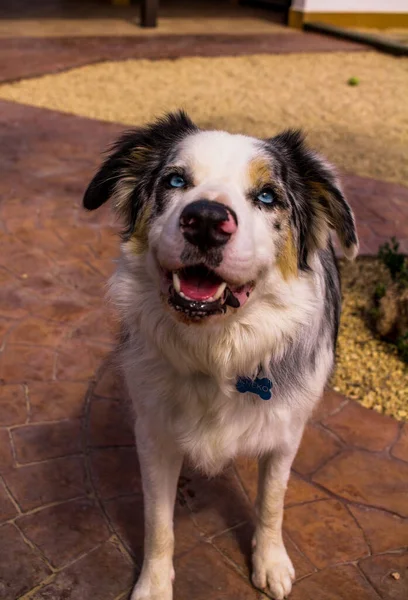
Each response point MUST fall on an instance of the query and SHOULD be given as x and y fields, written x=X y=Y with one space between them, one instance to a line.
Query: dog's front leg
x=272 y=569
x=160 y=464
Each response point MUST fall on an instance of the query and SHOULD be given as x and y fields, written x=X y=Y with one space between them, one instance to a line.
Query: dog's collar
x=260 y=386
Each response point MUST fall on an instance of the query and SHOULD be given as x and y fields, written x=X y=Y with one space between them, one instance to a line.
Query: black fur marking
x=332 y=304
x=163 y=189
x=138 y=157
x=195 y=308
x=309 y=182
x=231 y=300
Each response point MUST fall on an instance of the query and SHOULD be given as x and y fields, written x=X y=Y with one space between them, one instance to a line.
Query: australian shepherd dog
x=229 y=299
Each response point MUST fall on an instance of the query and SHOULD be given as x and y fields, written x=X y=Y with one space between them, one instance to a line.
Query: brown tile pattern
x=205 y=575
x=70 y=492
x=381 y=211
x=357 y=428
x=21 y=567
x=367 y=478
x=103 y=573
x=80 y=526
x=400 y=448
x=343 y=582
x=388 y=573
x=383 y=531
x=42 y=483
x=28 y=57
x=314 y=525
x=8 y=509
x=62 y=439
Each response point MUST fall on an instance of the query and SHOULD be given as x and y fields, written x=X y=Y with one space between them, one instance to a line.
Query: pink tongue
x=198 y=289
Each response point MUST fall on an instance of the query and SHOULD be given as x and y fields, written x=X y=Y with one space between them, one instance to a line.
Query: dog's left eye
x=267 y=196
x=177 y=181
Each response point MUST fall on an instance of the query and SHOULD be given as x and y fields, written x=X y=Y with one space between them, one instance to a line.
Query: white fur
x=182 y=377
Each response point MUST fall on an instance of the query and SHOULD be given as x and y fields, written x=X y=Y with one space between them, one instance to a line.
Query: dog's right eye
x=176 y=181
x=266 y=196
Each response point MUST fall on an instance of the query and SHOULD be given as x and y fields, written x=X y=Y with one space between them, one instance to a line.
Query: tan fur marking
x=259 y=172
x=161 y=540
x=139 y=239
x=141 y=153
x=327 y=219
x=319 y=191
x=287 y=260
x=322 y=222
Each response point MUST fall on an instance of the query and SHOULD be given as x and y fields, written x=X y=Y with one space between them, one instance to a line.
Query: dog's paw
x=149 y=589
x=272 y=571
x=143 y=593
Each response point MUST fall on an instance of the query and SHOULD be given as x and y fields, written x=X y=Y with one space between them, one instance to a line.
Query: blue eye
x=177 y=181
x=266 y=197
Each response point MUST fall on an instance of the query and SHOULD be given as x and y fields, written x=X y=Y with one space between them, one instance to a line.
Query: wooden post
x=149 y=10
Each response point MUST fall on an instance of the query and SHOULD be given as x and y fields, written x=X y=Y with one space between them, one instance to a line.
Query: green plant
x=379 y=291
x=394 y=261
x=402 y=345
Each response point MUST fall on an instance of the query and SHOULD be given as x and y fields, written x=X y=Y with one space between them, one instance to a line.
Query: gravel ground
x=368 y=369
x=363 y=129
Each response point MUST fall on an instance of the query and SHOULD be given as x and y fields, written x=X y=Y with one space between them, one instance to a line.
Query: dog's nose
x=208 y=224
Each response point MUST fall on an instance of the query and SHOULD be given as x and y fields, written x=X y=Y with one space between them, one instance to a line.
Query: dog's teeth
x=176 y=283
x=220 y=291
x=182 y=295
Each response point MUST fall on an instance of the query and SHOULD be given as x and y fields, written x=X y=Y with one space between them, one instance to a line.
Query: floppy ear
x=319 y=197
x=128 y=174
x=103 y=185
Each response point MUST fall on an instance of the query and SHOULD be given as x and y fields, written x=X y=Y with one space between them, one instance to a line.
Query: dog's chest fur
x=213 y=425
x=208 y=418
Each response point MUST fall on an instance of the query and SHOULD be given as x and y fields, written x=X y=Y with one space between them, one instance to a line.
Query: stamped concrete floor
x=70 y=494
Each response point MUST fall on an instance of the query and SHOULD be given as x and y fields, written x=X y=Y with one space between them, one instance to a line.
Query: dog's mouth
x=199 y=292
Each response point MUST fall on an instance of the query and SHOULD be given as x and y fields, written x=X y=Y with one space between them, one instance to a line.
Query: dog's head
x=215 y=214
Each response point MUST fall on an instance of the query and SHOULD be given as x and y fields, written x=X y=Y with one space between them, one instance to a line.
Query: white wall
x=350 y=6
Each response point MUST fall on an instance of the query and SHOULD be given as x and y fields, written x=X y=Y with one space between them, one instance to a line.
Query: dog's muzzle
x=196 y=290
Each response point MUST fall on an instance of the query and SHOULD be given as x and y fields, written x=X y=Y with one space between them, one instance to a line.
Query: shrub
x=389 y=311
x=395 y=262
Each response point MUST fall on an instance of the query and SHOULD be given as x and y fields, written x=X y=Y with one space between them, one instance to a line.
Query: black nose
x=208 y=224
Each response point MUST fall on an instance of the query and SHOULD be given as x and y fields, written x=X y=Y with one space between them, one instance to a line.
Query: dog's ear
x=318 y=193
x=103 y=184
x=134 y=159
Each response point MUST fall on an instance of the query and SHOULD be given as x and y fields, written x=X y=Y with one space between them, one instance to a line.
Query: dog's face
x=214 y=215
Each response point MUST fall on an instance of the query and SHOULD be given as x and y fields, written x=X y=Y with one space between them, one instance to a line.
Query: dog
x=228 y=293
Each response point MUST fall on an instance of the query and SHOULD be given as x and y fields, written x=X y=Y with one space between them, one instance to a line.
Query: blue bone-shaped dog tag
x=260 y=386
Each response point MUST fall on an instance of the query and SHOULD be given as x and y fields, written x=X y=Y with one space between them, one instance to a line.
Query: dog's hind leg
x=272 y=569
x=160 y=464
